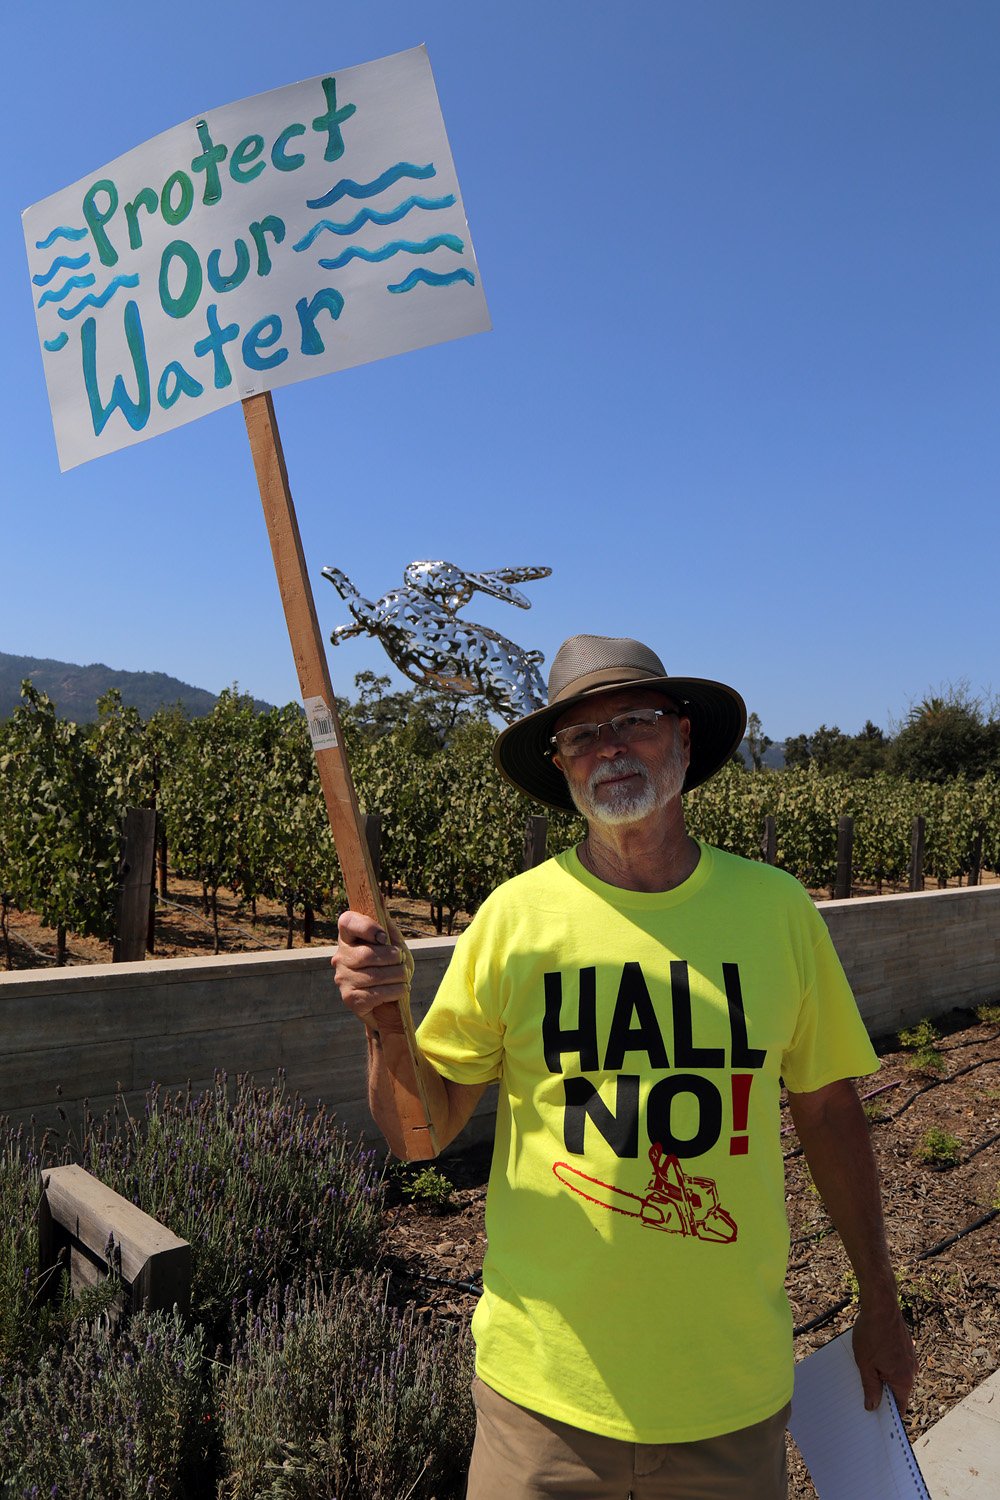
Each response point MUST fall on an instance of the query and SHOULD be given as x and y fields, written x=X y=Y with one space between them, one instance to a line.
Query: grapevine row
x=239 y=806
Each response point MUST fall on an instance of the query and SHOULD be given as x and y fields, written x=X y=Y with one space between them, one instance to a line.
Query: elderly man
x=641 y=998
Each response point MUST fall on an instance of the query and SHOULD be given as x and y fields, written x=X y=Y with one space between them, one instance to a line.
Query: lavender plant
x=331 y=1392
x=257 y=1185
x=121 y=1415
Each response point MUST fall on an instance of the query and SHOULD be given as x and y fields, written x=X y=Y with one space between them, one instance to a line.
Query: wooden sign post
x=399 y=1048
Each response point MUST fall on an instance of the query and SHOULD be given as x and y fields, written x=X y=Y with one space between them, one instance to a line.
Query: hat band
x=607 y=677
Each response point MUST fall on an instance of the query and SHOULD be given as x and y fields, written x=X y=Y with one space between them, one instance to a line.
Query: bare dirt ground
x=949 y=1273
x=184 y=930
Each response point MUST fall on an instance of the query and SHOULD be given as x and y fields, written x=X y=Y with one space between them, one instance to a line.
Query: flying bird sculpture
x=418 y=626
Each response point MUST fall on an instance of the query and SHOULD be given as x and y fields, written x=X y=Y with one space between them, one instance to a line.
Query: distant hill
x=75 y=690
x=774 y=756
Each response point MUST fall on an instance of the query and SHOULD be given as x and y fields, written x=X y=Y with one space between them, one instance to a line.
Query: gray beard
x=626 y=805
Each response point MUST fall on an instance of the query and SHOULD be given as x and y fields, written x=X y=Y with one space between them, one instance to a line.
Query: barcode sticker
x=320 y=720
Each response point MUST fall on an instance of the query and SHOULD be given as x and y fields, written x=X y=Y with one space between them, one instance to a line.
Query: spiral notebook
x=851 y=1454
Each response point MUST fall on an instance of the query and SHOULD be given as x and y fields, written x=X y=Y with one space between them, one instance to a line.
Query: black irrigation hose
x=823 y=1317
x=935 y=1083
x=460 y=1286
x=952 y=1239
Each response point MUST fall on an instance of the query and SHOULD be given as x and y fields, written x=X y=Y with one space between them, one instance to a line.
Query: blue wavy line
x=61 y=263
x=432 y=278
x=62 y=233
x=347 y=187
x=56 y=294
x=372 y=216
x=105 y=297
x=52 y=345
x=415 y=247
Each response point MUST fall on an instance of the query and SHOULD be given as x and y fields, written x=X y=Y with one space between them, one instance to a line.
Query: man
x=641 y=998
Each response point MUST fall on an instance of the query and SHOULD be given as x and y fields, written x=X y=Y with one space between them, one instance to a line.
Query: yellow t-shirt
x=634 y=1280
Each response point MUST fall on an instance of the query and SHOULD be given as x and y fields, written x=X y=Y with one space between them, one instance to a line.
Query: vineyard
x=239 y=809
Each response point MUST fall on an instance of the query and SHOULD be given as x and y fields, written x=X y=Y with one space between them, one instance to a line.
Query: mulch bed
x=950 y=1291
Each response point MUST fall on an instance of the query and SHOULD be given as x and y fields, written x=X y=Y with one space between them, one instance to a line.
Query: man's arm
x=833 y=1131
x=374 y=968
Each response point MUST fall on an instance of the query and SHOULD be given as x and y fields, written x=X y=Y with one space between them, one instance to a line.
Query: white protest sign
x=302 y=231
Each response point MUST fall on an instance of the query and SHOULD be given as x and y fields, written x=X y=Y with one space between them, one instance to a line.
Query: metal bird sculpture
x=418 y=627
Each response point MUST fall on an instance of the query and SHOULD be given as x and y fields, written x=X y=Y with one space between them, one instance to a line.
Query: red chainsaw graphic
x=675 y=1202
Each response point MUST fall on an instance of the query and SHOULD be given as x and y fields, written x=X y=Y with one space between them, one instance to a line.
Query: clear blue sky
x=741 y=389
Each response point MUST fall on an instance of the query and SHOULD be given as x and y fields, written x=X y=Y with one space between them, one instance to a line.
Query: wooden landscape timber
x=398 y=1046
x=93 y=1228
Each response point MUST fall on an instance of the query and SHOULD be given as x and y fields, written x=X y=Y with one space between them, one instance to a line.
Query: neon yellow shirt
x=634 y=1280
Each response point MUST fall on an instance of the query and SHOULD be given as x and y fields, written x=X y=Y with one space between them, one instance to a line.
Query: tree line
x=239 y=806
x=943 y=736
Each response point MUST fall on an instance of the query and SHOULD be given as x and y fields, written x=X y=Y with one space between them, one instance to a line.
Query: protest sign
x=302 y=231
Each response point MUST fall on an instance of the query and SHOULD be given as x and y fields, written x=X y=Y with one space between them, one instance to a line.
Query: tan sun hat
x=588 y=664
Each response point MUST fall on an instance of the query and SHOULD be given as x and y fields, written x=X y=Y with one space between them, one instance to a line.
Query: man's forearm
x=832 y=1128
x=382 y=1104
x=450 y=1104
x=838 y=1151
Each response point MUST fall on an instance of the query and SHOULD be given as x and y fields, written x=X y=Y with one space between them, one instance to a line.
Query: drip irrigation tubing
x=935 y=1083
x=952 y=1239
x=460 y=1286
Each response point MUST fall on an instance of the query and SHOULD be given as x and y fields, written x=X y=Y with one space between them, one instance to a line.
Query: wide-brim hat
x=589 y=664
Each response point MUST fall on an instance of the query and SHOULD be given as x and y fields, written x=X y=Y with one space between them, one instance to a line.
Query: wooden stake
x=399 y=1047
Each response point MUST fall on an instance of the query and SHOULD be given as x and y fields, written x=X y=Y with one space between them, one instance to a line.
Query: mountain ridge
x=75 y=689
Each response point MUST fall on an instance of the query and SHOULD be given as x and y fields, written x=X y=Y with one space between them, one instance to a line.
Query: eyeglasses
x=637 y=724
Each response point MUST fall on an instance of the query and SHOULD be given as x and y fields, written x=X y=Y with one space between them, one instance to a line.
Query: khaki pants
x=519 y=1455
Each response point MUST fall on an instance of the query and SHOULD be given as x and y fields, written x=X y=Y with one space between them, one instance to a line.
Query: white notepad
x=851 y=1454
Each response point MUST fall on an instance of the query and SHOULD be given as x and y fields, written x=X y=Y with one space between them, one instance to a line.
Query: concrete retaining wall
x=919 y=955
x=92 y=1030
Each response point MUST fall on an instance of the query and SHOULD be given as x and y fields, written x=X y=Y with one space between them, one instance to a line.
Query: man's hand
x=371 y=968
x=374 y=968
x=883 y=1351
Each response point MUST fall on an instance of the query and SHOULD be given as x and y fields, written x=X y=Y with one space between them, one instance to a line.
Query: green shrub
x=331 y=1392
x=920 y=1040
x=989 y=1013
x=938 y=1148
x=431 y=1188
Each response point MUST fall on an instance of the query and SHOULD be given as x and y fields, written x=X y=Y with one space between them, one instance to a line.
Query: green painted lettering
x=332 y=121
x=257 y=339
x=148 y=200
x=250 y=147
x=136 y=413
x=208 y=162
x=179 y=307
x=271 y=224
x=213 y=343
x=281 y=161
x=96 y=220
x=183 y=384
x=330 y=299
x=171 y=214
